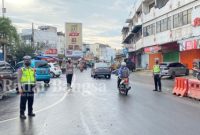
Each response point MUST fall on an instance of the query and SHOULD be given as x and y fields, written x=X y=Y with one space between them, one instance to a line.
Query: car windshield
x=101 y=65
x=56 y=65
x=41 y=64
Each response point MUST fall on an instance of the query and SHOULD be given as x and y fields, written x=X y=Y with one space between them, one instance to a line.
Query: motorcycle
x=124 y=86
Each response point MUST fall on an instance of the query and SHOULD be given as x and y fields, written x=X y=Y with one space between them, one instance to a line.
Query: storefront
x=189 y=51
x=170 y=52
x=145 y=60
x=154 y=54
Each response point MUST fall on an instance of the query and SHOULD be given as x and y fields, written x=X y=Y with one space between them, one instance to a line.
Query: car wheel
x=108 y=76
x=47 y=82
x=52 y=74
x=173 y=75
x=187 y=72
x=198 y=76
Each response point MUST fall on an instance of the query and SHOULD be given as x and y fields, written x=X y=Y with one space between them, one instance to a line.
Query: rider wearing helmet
x=123 y=72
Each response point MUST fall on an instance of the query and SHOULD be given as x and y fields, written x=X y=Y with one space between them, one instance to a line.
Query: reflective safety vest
x=28 y=76
x=156 y=69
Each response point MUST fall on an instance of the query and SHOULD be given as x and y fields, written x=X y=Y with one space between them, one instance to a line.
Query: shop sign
x=71 y=53
x=51 y=52
x=189 y=45
x=153 y=49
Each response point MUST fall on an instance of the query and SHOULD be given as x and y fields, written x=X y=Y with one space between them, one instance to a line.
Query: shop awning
x=136 y=28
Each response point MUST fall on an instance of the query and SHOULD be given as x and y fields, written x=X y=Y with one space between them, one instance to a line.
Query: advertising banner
x=189 y=45
x=51 y=52
x=153 y=49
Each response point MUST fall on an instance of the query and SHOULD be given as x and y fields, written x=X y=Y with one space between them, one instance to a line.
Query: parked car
x=42 y=70
x=8 y=77
x=101 y=69
x=173 y=69
x=196 y=68
x=55 y=70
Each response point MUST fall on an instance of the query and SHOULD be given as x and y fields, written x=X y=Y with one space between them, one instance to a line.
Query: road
x=94 y=107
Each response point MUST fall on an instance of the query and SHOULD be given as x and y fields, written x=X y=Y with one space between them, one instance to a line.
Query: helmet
x=27 y=57
x=123 y=64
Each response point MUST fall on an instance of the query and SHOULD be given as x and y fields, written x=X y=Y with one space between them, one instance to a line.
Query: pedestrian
x=157 y=76
x=69 y=73
x=26 y=84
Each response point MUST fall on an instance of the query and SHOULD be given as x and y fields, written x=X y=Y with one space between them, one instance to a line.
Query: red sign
x=73 y=34
x=153 y=49
x=51 y=51
x=192 y=44
x=196 y=22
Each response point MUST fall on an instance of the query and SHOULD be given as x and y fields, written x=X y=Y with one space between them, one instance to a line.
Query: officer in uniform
x=157 y=77
x=26 y=83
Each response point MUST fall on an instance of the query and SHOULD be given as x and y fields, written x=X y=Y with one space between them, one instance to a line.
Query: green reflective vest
x=156 y=69
x=28 y=76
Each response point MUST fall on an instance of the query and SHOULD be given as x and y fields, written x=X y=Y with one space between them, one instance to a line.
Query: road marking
x=85 y=126
x=41 y=110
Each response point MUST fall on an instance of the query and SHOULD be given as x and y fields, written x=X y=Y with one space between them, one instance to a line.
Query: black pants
x=69 y=79
x=27 y=95
x=157 y=82
x=118 y=82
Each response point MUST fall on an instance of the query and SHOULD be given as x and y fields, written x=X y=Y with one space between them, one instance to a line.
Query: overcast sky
x=102 y=19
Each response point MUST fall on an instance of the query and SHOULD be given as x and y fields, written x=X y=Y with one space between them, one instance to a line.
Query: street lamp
x=3 y=9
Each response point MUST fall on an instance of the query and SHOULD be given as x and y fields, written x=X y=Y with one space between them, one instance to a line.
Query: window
x=185 y=17
x=169 y=23
x=158 y=26
x=180 y=19
x=164 y=25
x=41 y=64
x=145 y=31
x=149 y=30
x=189 y=16
x=175 y=22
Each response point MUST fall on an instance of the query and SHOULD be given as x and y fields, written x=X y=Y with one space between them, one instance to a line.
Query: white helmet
x=123 y=64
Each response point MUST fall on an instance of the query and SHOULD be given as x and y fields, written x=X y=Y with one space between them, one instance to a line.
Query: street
x=94 y=107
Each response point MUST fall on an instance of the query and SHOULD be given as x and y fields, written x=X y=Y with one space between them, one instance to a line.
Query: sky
x=102 y=19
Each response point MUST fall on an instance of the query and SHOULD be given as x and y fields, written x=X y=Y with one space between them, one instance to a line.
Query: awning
x=136 y=28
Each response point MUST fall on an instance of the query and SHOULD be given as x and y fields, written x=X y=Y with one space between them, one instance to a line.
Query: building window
x=185 y=18
x=175 y=21
x=189 y=16
x=182 y=18
x=158 y=26
x=145 y=31
x=70 y=47
x=149 y=30
x=169 y=23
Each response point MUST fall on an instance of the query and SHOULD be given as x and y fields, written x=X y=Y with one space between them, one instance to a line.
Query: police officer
x=26 y=83
x=157 y=77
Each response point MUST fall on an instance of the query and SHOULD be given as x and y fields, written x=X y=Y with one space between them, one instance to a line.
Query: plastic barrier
x=180 y=87
x=194 y=89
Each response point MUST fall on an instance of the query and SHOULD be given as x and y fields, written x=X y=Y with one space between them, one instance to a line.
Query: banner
x=51 y=52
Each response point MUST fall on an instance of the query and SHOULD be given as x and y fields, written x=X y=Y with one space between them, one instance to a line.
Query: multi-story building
x=170 y=32
x=61 y=43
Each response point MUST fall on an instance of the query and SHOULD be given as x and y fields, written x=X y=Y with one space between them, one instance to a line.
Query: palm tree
x=8 y=34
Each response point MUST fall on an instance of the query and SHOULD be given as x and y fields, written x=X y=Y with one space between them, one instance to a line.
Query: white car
x=55 y=70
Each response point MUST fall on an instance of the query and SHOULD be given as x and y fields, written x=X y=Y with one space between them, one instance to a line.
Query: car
x=42 y=70
x=173 y=69
x=101 y=69
x=55 y=70
x=8 y=77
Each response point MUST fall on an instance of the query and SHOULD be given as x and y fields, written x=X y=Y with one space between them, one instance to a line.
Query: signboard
x=189 y=45
x=51 y=52
x=196 y=22
x=73 y=32
x=71 y=53
x=153 y=49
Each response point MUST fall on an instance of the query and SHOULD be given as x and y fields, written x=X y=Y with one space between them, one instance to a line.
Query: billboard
x=73 y=32
x=51 y=52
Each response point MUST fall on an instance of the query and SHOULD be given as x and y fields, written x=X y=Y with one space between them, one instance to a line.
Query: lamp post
x=3 y=43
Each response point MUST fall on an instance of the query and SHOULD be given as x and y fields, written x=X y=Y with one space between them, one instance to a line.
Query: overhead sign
x=71 y=53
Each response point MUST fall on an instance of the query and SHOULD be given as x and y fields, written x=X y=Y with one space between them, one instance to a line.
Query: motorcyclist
x=123 y=72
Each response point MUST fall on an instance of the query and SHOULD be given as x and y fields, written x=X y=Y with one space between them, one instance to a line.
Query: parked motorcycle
x=124 y=86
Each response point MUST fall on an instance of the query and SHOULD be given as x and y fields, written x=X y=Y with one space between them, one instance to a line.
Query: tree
x=8 y=34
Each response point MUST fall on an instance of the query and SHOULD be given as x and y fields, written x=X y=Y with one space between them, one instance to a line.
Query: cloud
x=102 y=20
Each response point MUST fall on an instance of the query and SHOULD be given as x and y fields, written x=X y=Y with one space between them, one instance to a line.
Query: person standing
x=26 y=83
x=157 y=76
x=69 y=73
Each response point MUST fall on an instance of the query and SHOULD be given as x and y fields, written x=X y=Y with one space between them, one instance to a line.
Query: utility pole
x=32 y=36
x=4 y=44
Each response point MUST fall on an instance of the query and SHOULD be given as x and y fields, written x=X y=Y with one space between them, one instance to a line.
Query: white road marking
x=41 y=110
x=85 y=126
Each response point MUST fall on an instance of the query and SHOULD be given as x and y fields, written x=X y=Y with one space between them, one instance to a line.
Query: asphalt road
x=94 y=107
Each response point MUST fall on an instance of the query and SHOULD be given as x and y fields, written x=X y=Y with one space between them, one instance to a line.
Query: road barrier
x=194 y=89
x=180 y=87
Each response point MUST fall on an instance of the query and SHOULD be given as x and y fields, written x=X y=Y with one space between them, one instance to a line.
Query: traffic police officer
x=26 y=83
x=157 y=76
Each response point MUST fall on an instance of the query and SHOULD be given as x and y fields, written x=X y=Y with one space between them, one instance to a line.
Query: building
x=44 y=37
x=61 y=43
x=170 y=32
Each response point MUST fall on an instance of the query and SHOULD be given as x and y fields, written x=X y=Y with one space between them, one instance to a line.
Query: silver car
x=173 y=69
x=101 y=69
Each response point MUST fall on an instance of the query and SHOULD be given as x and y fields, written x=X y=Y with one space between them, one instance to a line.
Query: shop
x=170 y=52
x=189 y=51
x=138 y=58
x=145 y=60
x=154 y=53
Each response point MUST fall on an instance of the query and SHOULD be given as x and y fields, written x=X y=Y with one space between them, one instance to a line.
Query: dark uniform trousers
x=157 y=81
x=27 y=95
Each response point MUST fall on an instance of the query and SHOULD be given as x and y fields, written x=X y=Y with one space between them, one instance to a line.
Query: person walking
x=157 y=76
x=26 y=84
x=69 y=73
